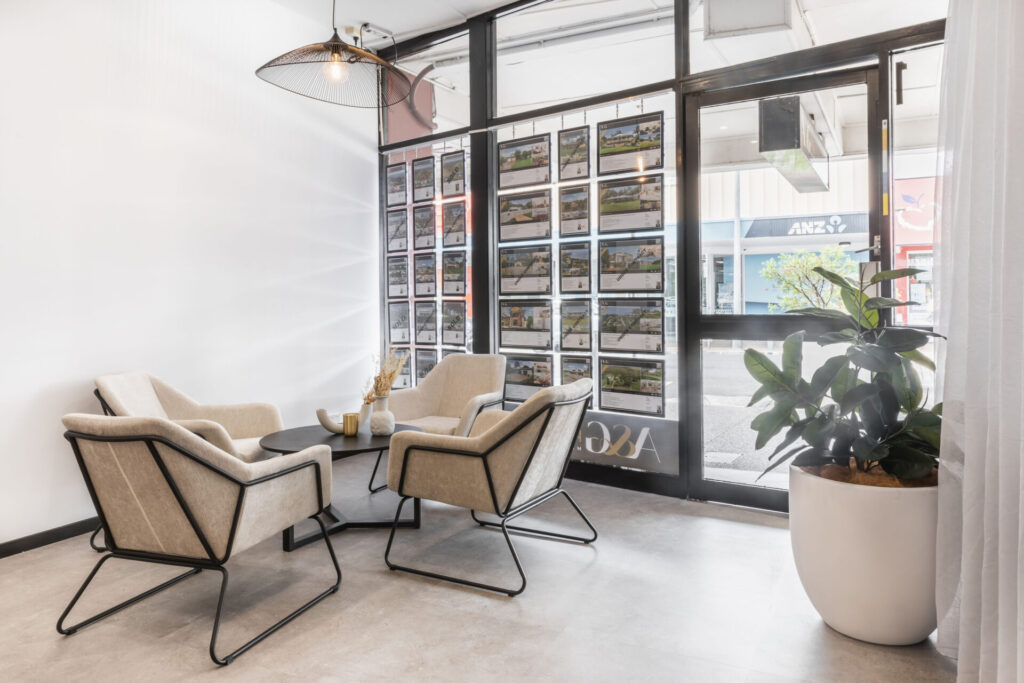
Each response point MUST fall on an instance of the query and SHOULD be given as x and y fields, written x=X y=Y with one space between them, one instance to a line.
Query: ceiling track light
x=339 y=73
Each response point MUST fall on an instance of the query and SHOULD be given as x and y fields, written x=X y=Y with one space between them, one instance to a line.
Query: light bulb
x=337 y=68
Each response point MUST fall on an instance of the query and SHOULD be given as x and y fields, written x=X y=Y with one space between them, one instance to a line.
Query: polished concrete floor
x=671 y=591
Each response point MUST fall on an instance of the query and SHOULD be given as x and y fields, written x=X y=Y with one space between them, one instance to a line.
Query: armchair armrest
x=266 y=470
x=487 y=419
x=212 y=431
x=448 y=469
x=472 y=411
x=243 y=420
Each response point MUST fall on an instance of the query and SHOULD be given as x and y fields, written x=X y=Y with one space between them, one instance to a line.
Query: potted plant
x=863 y=450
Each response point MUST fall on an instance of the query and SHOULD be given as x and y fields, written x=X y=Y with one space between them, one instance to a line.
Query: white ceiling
x=406 y=18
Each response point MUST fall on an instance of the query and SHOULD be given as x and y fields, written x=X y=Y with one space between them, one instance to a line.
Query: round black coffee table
x=300 y=438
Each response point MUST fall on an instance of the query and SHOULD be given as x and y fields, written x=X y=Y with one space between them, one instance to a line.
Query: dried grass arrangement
x=390 y=366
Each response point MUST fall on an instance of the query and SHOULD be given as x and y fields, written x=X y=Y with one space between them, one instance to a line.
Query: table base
x=336 y=522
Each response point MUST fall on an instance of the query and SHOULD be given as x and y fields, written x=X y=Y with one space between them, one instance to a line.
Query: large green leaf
x=893 y=274
x=872 y=419
x=792 y=358
x=888 y=401
x=907 y=385
x=877 y=302
x=917 y=357
x=899 y=339
x=866 y=449
x=770 y=423
x=818 y=432
x=928 y=426
x=792 y=434
x=839 y=337
x=762 y=369
x=908 y=463
x=872 y=357
x=845 y=380
x=855 y=302
x=762 y=391
x=857 y=395
x=826 y=374
x=837 y=279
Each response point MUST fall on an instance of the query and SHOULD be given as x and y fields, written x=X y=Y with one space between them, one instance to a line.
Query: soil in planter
x=874 y=477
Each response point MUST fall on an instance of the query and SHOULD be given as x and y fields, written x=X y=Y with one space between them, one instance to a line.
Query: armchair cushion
x=488 y=419
x=435 y=424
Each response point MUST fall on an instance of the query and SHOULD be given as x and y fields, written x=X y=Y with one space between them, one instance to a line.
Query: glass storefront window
x=729 y=32
x=769 y=216
x=440 y=101
x=915 y=130
x=564 y=50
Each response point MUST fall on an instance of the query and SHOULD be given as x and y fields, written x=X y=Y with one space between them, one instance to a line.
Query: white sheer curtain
x=980 y=266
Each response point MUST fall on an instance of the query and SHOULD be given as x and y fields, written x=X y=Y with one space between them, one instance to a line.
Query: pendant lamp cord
x=334 y=9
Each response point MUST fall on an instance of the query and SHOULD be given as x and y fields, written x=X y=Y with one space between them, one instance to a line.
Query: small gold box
x=350 y=422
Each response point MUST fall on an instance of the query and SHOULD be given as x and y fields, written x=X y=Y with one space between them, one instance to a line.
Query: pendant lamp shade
x=338 y=73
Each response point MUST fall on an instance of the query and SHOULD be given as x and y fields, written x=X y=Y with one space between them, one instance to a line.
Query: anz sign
x=799 y=226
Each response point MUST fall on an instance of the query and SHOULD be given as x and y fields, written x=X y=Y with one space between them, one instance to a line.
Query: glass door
x=784 y=184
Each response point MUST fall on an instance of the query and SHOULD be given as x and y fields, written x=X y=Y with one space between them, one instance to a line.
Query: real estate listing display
x=450 y=352
x=576 y=367
x=630 y=204
x=423 y=179
x=398 y=276
x=398 y=230
x=526 y=324
x=526 y=161
x=524 y=270
x=526 y=375
x=524 y=216
x=398 y=315
x=424 y=231
x=453 y=174
x=425 y=274
x=631 y=265
x=453 y=323
x=395 y=180
x=426 y=359
x=574 y=267
x=575 y=325
x=453 y=273
x=632 y=325
x=633 y=143
x=633 y=386
x=453 y=224
x=404 y=378
x=425 y=322
x=574 y=210
x=574 y=153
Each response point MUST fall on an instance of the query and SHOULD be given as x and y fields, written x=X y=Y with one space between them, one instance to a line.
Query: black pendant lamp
x=338 y=73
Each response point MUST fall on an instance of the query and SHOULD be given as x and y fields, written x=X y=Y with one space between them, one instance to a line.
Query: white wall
x=163 y=209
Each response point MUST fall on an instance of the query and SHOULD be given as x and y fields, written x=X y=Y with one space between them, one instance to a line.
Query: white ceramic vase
x=382 y=422
x=364 y=416
x=866 y=556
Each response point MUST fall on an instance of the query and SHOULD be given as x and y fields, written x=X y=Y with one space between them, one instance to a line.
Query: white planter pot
x=866 y=556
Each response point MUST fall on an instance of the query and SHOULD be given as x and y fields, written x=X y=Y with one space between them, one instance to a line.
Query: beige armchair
x=449 y=398
x=166 y=496
x=510 y=463
x=236 y=429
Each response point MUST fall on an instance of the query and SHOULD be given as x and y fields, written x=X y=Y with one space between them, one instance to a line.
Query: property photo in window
x=526 y=375
x=425 y=322
x=404 y=378
x=633 y=143
x=426 y=359
x=576 y=367
x=453 y=322
x=631 y=265
x=424 y=232
x=425 y=274
x=526 y=161
x=524 y=270
x=526 y=324
x=395 y=180
x=633 y=386
x=574 y=153
x=632 y=325
x=524 y=216
x=423 y=179
x=575 y=325
x=453 y=273
x=574 y=210
x=398 y=276
x=630 y=204
x=574 y=266
x=398 y=230
x=398 y=315
x=453 y=224
x=453 y=174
